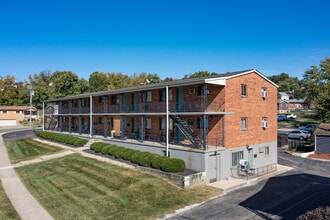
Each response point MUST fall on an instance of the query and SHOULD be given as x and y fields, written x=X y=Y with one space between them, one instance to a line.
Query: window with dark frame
x=243 y=90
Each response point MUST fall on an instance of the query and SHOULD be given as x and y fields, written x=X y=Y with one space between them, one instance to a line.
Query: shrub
x=61 y=138
x=113 y=149
x=135 y=157
x=172 y=165
x=95 y=144
x=128 y=153
x=119 y=152
x=157 y=161
x=105 y=148
x=145 y=159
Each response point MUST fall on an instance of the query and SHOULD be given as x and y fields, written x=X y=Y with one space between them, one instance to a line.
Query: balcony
x=151 y=107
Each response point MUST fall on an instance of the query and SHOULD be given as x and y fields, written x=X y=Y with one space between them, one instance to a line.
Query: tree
x=288 y=84
x=98 y=81
x=317 y=87
x=42 y=86
x=8 y=91
x=197 y=74
x=118 y=81
x=63 y=83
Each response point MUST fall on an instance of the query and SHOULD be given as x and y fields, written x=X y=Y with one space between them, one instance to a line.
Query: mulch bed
x=320 y=156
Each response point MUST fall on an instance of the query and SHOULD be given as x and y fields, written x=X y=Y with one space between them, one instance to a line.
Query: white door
x=7 y=122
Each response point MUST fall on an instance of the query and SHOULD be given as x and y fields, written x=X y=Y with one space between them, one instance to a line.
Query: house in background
x=284 y=96
x=285 y=106
x=322 y=138
x=216 y=124
x=11 y=115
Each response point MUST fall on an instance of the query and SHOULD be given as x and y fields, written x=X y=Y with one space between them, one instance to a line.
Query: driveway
x=285 y=196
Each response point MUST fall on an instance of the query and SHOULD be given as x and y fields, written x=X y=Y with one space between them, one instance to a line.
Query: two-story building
x=212 y=123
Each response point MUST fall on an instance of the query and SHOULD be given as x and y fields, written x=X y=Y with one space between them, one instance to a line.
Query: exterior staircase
x=187 y=131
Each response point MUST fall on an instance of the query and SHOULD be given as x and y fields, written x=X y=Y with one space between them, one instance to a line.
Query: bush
x=113 y=149
x=172 y=165
x=156 y=162
x=135 y=157
x=62 y=138
x=145 y=159
x=128 y=154
x=95 y=144
x=119 y=152
x=105 y=149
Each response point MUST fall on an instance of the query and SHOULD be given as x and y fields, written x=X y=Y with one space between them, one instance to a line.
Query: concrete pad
x=230 y=184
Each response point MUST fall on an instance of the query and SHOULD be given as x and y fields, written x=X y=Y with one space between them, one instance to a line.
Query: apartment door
x=214 y=167
x=134 y=102
x=123 y=103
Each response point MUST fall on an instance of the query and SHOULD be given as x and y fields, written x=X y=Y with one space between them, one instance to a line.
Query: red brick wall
x=253 y=107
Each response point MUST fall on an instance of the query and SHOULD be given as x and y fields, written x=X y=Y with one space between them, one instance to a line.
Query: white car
x=291 y=116
x=298 y=134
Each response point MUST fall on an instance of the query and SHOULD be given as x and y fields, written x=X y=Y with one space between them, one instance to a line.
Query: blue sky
x=165 y=37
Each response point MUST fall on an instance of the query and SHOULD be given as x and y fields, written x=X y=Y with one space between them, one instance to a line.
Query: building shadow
x=287 y=197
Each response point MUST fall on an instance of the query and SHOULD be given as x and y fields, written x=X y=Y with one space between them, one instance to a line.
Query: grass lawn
x=7 y=211
x=75 y=187
x=27 y=149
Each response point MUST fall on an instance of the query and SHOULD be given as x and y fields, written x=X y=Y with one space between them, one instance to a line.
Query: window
x=264 y=123
x=148 y=123
x=243 y=90
x=264 y=93
x=149 y=96
x=115 y=100
x=162 y=95
x=266 y=150
x=162 y=124
x=18 y=112
x=236 y=157
x=4 y=112
x=74 y=103
x=243 y=123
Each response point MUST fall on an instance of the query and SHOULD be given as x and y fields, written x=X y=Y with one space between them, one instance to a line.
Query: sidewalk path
x=25 y=204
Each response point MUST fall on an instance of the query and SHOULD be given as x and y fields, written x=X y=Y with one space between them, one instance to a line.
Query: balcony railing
x=150 y=107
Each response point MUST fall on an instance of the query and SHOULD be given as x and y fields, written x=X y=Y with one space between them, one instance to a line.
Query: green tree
x=82 y=86
x=98 y=81
x=118 y=81
x=317 y=87
x=198 y=74
x=42 y=86
x=8 y=91
x=63 y=83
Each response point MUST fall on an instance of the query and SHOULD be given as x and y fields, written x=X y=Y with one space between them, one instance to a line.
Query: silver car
x=298 y=134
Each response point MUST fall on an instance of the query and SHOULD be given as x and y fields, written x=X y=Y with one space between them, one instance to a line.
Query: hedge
x=146 y=159
x=62 y=138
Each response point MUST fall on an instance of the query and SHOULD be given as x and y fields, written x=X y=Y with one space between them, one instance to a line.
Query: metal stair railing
x=187 y=131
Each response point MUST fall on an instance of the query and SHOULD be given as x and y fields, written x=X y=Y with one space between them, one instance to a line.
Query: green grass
x=27 y=149
x=7 y=211
x=75 y=187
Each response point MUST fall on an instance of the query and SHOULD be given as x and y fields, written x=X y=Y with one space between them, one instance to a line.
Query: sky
x=170 y=38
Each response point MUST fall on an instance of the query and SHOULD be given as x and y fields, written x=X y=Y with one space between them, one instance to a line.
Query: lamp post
x=31 y=94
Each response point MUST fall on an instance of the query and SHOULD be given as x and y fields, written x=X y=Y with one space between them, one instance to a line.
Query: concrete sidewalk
x=230 y=184
x=25 y=204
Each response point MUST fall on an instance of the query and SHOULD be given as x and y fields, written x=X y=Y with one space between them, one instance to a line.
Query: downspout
x=90 y=116
x=167 y=122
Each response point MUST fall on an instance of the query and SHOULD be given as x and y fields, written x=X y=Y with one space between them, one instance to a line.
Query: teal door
x=134 y=102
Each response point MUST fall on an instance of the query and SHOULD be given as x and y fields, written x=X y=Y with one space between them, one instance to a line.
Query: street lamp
x=31 y=94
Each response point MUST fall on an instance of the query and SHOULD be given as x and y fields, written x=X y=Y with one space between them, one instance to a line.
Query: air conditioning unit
x=264 y=94
x=264 y=124
x=243 y=163
x=192 y=91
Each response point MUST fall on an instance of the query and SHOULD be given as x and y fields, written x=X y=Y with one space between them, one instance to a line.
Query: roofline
x=171 y=84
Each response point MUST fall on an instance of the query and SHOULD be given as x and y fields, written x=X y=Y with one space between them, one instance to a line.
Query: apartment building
x=213 y=123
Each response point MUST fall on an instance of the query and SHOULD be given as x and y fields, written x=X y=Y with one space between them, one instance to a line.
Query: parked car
x=309 y=127
x=298 y=134
x=282 y=118
x=291 y=116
